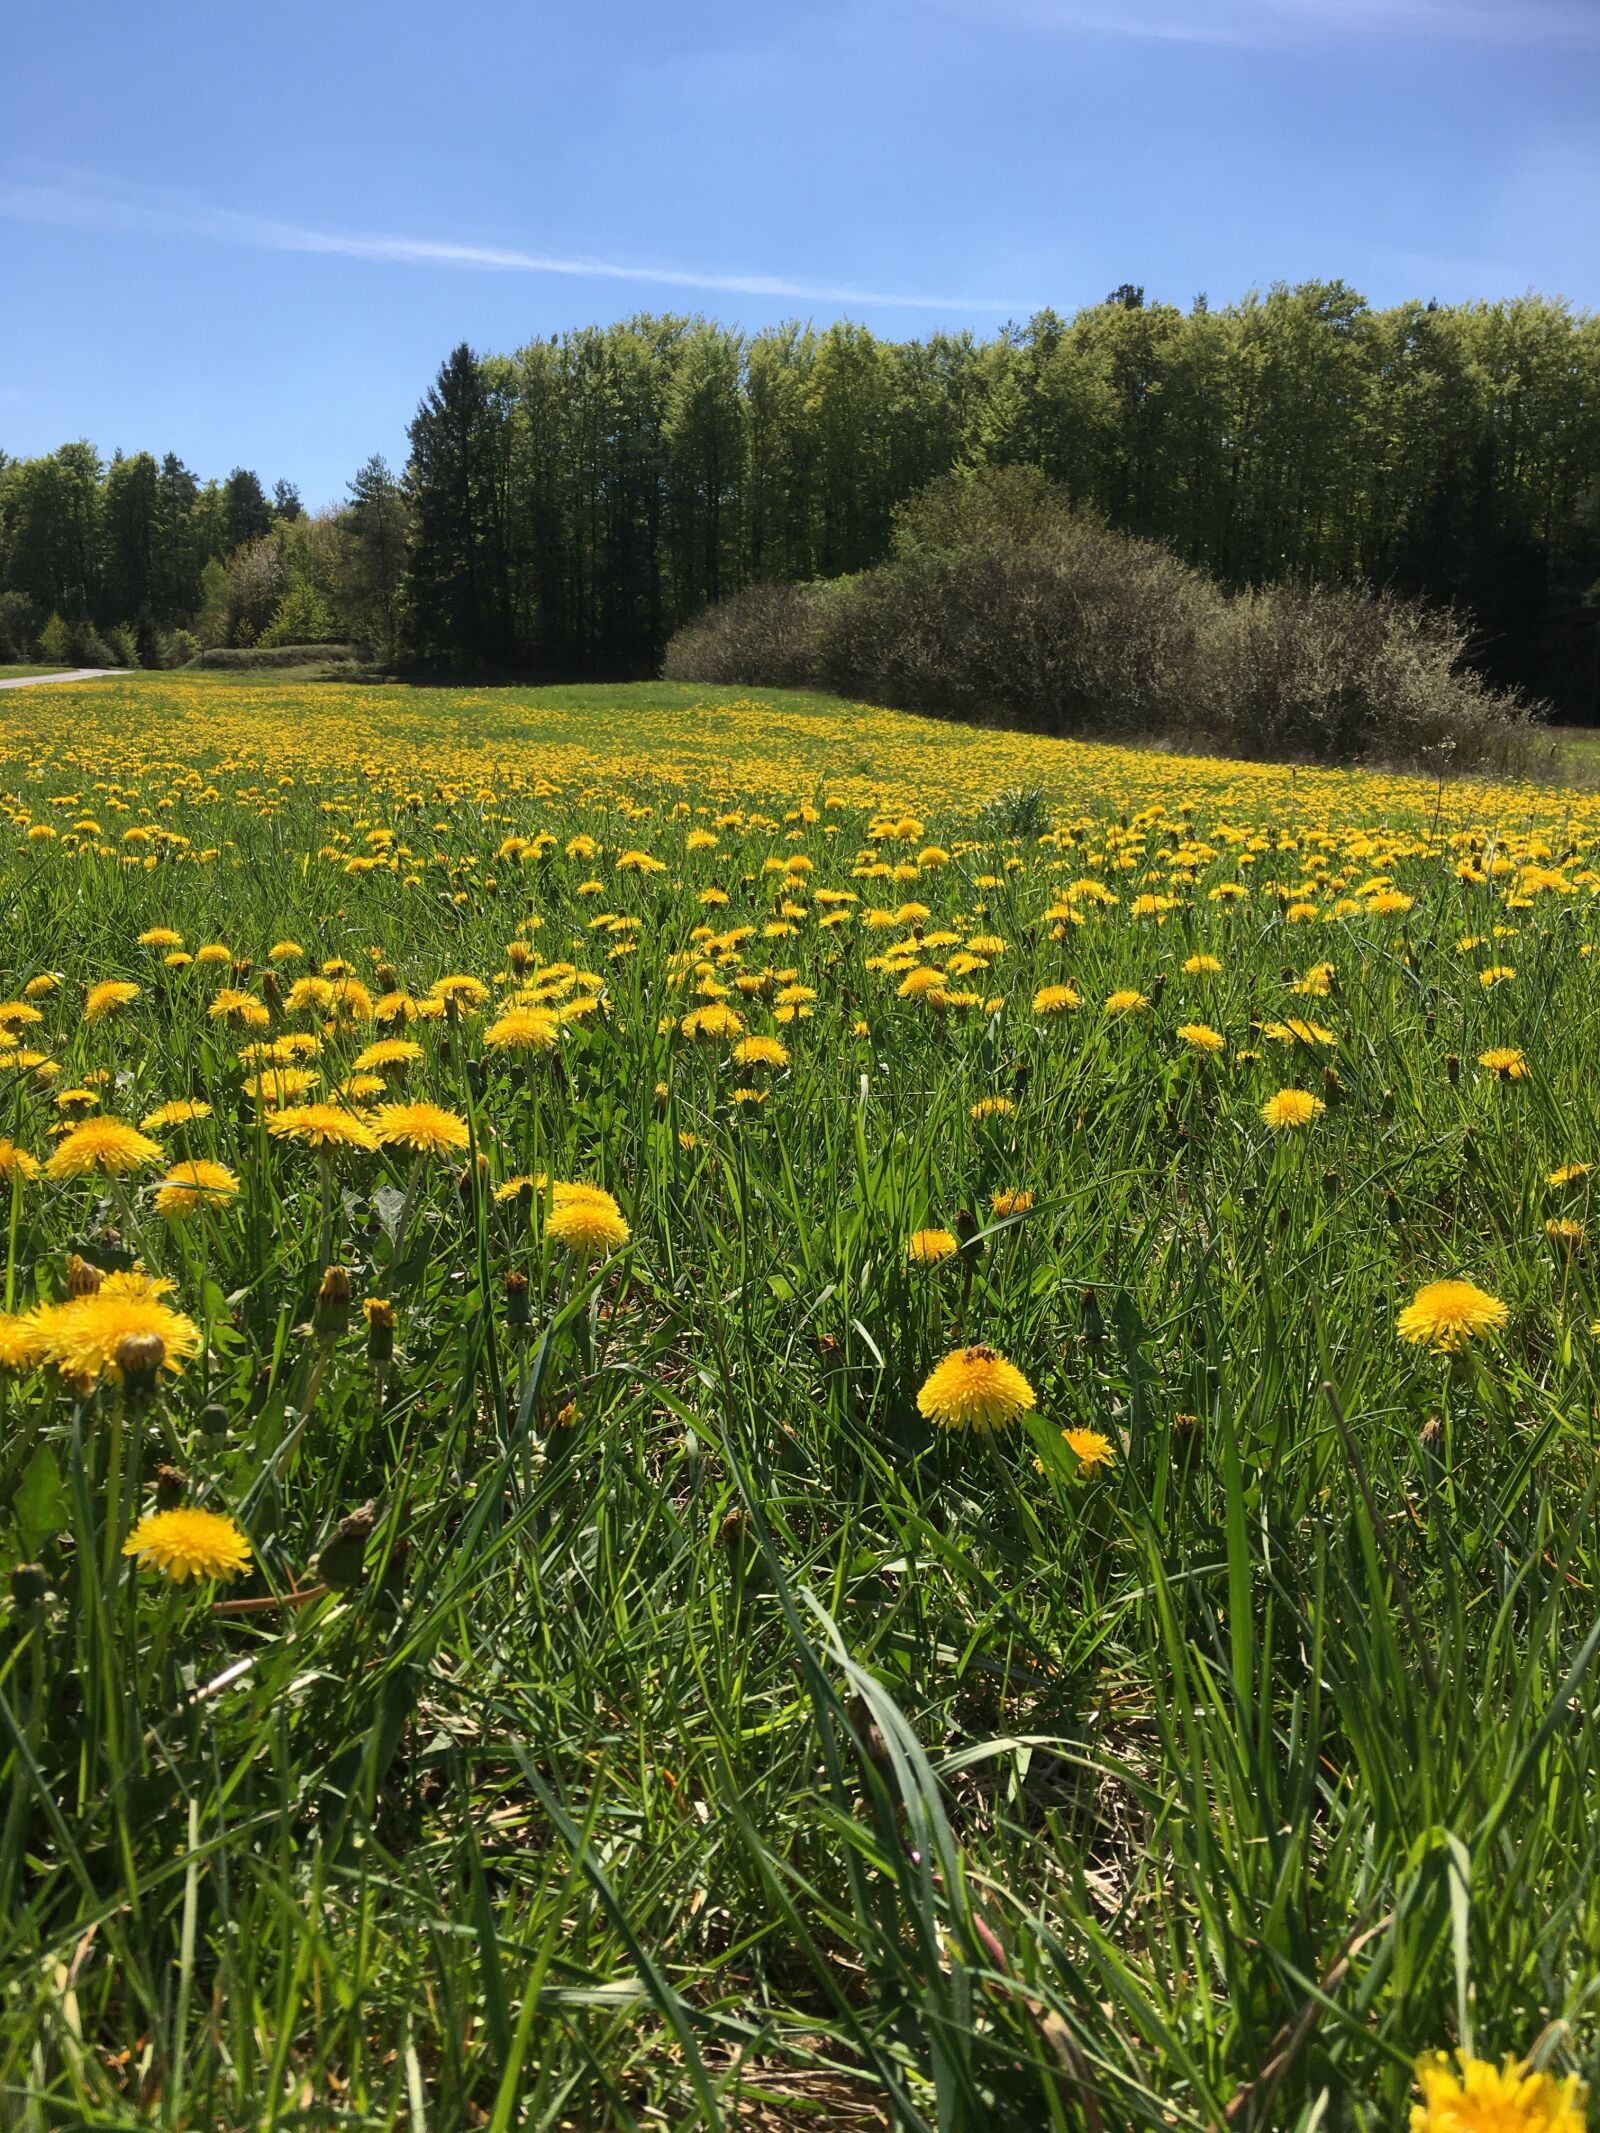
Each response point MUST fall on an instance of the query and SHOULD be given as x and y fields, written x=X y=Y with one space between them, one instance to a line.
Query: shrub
x=52 y=645
x=123 y=646
x=175 y=648
x=239 y=657
x=1002 y=602
x=763 y=633
x=87 y=648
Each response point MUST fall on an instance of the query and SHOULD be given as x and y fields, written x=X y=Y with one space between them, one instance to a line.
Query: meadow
x=729 y=1412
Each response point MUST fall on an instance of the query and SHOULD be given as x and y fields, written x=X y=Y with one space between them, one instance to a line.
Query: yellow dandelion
x=1504 y=1062
x=586 y=1220
x=182 y=1111
x=107 y=1146
x=21 y=1348
x=1443 y=1314
x=1016 y=1201
x=321 y=1126
x=1201 y=1037
x=82 y=1337
x=1291 y=1109
x=423 y=1128
x=760 y=1052
x=190 y=1185
x=926 y=1247
x=16 y=1162
x=1475 y=2096
x=975 y=1388
x=108 y=997
x=1125 y=1003
x=190 y=1543
x=523 y=1029
x=710 y=1023
x=1054 y=1000
x=1089 y=1448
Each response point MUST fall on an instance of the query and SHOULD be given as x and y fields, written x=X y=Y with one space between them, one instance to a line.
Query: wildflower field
x=738 y=1413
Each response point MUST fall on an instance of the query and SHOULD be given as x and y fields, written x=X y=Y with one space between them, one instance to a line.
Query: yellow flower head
x=1504 y=1062
x=1054 y=1000
x=1201 y=1037
x=16 y=1162
x=190 y=1543
x=1125 y=1003
x=760 y=1052
x=21 y=1347
x=586 y=1220
x=523 y=1029
x=81 y=1338
x=190 y=1185
x=1017 y=1201
x=1291 y=1109
x=423 y=1128
x=107 y=997
x=108 y=1146
x=321 y=1126
x=182 y=1111
x=1443 y=1314
x=926 y=1247
x=1090 y=1448
x=976 y=1389
x=709 y=1023
x=1475 y=2096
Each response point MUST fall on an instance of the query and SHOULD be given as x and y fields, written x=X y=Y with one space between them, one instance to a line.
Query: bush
x=764 y=633
x=123 y=646
x=237 y=657
x=175 y=648
x=1001 y=602
x=52 y=645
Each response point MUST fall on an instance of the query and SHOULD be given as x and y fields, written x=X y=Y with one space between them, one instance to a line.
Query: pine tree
x=454 y=604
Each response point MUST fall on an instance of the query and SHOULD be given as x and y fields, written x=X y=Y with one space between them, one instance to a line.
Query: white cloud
x=1276 y=22
x=86 y=206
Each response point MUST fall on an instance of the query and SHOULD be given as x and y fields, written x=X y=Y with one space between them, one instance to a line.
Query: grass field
x=19 y=673
x=797 y=1357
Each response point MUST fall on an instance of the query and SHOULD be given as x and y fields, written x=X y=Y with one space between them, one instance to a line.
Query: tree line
x=567 y=507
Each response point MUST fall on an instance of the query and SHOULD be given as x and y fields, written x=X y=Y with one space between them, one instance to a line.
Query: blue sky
x=249 y=234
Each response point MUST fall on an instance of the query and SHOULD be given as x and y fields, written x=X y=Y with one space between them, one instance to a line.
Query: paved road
x=29 y=681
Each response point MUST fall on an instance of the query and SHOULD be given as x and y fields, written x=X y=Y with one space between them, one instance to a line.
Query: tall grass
x=702 y=1738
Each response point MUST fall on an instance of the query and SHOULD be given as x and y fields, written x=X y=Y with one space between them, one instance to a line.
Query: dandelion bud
x=1452 y=1067
x=1330 y=1182
x=519 y=955
x=82 y=1278
x=271 y=990
x=661 y=1095
x=1386 y=1105
x=966 y=1229
x=1158 y=985
x=379 y=1314
x=331 y=1312
x=172 y=1486
x=734 y=1531
x=518 y=1316
x=1391 y=1207
x=342 y=1563
x=1469 y=1148
x=139 y=1358
x=242 y=967
x=214 y=1419
x=388 y=977
x=1431 y=1435
x=1333 y=1089
x=1428 y=1019
x=30 y=1587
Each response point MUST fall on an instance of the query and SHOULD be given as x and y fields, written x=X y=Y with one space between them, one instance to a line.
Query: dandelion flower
x=1089 y=1447
x=975 y=1388
x=1201 y=1037
x=321 y=1126
x=709 y=1023
x=586 y=1220
x=20 y=1345
x=1443 y=1314
x=1475 y=2096
x=1504 y=1062
x=182 y=1111
x=1125 y=1003
x=190 y=1185
x=190 y=1543
x=926 y=1247
x=81 y=1337
x=1291 y=1109
x=106 y=998
x=16 y=1162
x=390 y=1052
x=1017 y=1201
x=108 y=1146
x=523 y=1029
x=1054 y=1000
x=423 y=1128
x=760 y=1052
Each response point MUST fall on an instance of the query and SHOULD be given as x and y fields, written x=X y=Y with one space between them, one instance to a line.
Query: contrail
x=97 y=210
